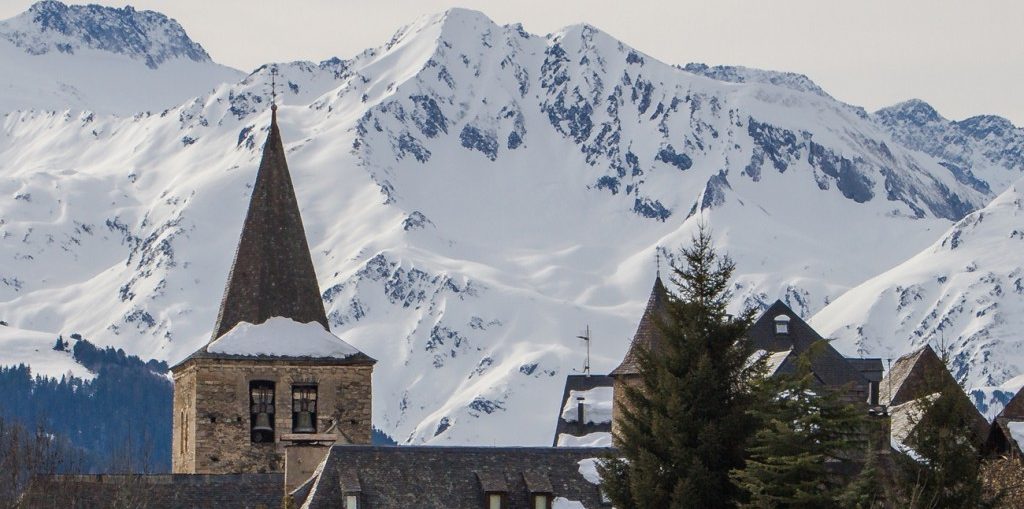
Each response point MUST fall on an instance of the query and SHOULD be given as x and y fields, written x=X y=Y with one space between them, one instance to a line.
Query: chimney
x=579 y=414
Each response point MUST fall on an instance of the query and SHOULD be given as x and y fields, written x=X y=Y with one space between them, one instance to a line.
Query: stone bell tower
x=272 y=373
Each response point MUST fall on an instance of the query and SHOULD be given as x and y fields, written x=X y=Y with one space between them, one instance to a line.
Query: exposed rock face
x=52 y=26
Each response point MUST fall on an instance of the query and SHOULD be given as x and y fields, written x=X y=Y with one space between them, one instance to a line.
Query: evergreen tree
x=867 y=491
x=808 y=437
x=684 y=425
x=943 y=466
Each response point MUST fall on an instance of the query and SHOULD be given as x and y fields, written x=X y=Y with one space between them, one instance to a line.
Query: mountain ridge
x=473 y=195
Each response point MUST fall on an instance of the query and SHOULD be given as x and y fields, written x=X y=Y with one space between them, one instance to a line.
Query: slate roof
x=170 y=491
x=921 y=374
x=915 y=375
x=414 y=477
x=647 y=333
x=1000 y=440
x=828 y=365
x=1014 y=409
x=871 y=369
x=581 y=383
x=272 y=273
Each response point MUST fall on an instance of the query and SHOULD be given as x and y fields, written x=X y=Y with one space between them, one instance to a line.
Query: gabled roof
x=828 y=365
x=915 y=375
x=457 y=477
x=1014 y=409
x=647 y=334
x=581 y=385
x=922 y=374
x=272 y=274
x=171 y=491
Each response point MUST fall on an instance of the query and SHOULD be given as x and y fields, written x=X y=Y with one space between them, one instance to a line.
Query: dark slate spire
x=647 y=333
x=272 y=274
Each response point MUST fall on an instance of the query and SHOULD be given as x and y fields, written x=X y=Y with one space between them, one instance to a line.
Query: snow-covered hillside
x=965 y=291
x=474 y=196
x=101 y=59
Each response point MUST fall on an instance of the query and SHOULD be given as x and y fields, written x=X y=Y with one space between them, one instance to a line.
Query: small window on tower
x=303 y=409
x=261 y=413
x=782 y=324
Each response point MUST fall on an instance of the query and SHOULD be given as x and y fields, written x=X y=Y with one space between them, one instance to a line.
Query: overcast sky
x=965 y=58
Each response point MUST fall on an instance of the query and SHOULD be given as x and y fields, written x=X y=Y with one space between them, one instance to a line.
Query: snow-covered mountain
x=108 y=60
x=474 y=195
x=984 y=151
x=965 y=291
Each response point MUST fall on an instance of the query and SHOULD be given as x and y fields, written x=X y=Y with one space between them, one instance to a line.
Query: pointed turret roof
x=272 y=274
x=647 y=333
x=272 y=277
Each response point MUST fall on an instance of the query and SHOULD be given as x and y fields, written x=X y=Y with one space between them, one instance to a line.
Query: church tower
x=272 y=372
x=648 y=337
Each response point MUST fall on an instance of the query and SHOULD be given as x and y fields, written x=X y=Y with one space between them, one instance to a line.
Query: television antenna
x=586 y=338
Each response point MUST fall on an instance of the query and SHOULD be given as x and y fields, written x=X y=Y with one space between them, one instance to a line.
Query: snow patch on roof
x=588 y=469
x=596 y=439
x=281 y=336
x=564 y=503
x=1016 y=431
x=597 y=405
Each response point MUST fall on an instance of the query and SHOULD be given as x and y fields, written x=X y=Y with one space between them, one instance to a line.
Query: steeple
x=272 y=274
x=647 y=333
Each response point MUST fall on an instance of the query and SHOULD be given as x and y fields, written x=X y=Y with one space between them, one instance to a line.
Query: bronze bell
x=262 y=422
x=304 y=423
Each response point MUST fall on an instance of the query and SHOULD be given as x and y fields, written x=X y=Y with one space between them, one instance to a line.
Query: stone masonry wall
x=222 y=435
x=183 y=431
x=619 y=400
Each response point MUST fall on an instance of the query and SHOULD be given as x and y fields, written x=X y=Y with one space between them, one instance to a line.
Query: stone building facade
x=237 y=407
x=212 y=428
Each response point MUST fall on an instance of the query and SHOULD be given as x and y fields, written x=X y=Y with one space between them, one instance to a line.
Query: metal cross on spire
x=657 y=261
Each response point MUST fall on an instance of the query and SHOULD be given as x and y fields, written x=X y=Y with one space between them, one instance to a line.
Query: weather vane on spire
x=273 y=88
x=657 y=261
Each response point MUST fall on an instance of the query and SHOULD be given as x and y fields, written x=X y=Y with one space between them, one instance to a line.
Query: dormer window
x=541 y=501
x=495 y=501
x=782 y=324
x=352 y=501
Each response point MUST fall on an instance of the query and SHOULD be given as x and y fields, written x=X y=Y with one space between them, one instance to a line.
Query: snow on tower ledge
x=279 y=336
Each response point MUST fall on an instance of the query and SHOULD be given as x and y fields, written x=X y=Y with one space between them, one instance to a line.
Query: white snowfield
x=474 y=196
x=282 y=337
x=597 y=405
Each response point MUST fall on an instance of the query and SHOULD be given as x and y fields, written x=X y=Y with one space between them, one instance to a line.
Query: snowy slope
x=35 y=349
x=101 y=59
x=966 y=291
x=474 y=196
